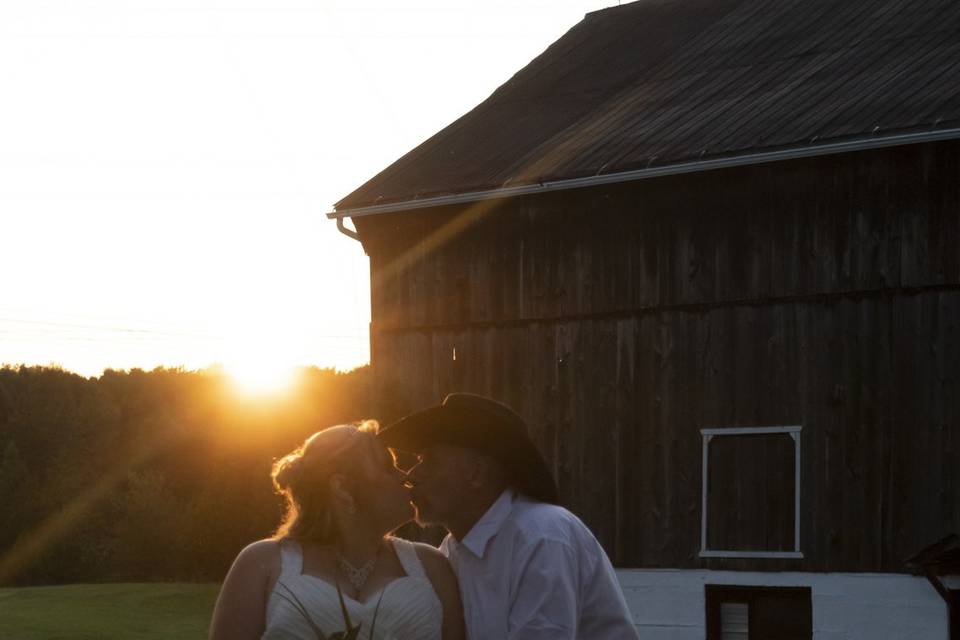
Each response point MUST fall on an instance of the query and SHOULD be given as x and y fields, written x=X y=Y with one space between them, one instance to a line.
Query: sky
x=166 y=166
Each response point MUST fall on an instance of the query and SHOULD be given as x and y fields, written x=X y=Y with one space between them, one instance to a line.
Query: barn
x=709 y=250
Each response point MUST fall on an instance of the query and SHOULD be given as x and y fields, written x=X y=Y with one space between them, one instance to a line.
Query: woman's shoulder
x=423 y=548
x=427 y=553
x=435 y=564
x=444 y=582
x=263 y=554
x=265 y=547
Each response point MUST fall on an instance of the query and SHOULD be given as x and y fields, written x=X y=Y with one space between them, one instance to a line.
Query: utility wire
x=154 y=332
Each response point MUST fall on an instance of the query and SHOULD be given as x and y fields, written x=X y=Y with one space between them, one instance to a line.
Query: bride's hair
x=301 y=477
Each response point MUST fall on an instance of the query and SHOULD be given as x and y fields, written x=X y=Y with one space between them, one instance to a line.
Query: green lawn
x=107 y=611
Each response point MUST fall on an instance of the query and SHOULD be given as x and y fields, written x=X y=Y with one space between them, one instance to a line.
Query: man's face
x=440 y=482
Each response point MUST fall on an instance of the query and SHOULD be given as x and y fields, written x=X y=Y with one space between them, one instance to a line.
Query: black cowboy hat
x=490 y=427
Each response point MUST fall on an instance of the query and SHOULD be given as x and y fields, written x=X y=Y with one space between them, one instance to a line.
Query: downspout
x=350 y=233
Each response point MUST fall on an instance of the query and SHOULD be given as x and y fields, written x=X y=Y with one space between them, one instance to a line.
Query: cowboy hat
x=479 y=423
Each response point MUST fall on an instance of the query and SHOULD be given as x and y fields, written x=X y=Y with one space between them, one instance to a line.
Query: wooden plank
x=565 y=414
x=872 y=379
x=949 y=377
x=626 y=434
x=914 y=216
x=853 y=437
x=646 y=452
x=942 y=171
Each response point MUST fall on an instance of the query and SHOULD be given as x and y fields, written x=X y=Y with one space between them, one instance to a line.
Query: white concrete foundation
x=669 y=604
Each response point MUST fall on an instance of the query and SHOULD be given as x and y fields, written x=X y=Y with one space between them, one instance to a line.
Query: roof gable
x=661 y=82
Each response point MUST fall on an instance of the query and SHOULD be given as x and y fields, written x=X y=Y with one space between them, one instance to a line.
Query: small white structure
x=670 y=604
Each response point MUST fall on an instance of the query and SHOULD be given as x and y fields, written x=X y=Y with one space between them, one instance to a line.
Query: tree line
x=149 y=475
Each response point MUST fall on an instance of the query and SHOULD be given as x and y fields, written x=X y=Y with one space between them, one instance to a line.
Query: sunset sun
x=253 y=377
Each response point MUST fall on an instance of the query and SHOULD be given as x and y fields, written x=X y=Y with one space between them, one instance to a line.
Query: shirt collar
x=489 y=524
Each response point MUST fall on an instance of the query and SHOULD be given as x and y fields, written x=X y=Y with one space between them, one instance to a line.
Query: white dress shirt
x=530 y=571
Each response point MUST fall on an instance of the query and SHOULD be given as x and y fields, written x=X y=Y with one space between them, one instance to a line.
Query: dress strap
x=407 y=554
x=291 y=558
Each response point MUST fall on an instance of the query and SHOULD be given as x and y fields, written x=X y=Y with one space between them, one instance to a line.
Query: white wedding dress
x=409 y=607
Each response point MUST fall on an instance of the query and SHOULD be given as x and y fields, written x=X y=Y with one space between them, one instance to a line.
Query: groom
x=528 y=569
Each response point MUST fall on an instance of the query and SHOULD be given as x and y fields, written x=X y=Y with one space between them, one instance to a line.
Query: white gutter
x=342 y=228
x=655 y=172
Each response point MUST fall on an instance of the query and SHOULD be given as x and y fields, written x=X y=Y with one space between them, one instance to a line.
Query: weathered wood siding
x=621 y=320
x=752 y=490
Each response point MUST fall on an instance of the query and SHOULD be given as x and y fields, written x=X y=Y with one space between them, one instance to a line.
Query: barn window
x=753 y=613
x=751 y=493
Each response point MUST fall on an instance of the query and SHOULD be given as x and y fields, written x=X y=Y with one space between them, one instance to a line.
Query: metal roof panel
x=657 y=82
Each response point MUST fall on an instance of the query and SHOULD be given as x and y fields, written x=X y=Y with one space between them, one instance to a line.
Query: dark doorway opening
x=758 y=613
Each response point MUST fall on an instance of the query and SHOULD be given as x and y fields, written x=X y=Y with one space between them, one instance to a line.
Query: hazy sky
x=165 y=167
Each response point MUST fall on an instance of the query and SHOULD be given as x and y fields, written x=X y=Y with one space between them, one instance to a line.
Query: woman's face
x=386 y=496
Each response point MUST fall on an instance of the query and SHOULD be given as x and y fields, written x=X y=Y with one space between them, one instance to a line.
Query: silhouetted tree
x=170 y=467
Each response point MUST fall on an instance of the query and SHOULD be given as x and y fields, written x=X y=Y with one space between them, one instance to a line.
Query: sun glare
x=259 y=378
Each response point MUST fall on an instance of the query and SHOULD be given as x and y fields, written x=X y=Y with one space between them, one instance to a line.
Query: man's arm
x=605 y=613
x=546 y=602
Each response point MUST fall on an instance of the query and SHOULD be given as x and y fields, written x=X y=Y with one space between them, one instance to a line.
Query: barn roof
x=661 y=84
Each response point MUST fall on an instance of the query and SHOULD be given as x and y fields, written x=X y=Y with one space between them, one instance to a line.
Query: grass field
x=107 y=611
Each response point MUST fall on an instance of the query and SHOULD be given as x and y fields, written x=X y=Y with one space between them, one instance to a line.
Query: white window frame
x=710 y=434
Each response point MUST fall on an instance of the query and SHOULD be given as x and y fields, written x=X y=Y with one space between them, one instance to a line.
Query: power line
x=69 y=325
x=156 y=332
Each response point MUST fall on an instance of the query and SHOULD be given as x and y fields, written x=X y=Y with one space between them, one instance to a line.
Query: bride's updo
x=301 y=477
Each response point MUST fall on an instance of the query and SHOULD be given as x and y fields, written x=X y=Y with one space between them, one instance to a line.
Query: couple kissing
x=514 y=565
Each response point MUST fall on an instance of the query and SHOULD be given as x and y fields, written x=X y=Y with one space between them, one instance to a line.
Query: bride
x=343 y=496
